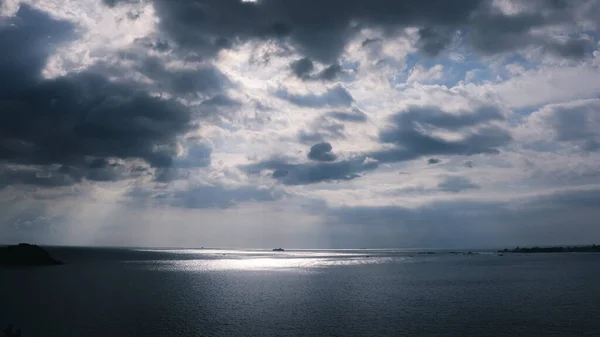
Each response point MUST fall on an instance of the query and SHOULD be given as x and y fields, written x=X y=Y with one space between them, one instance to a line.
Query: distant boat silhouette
x=278 y=249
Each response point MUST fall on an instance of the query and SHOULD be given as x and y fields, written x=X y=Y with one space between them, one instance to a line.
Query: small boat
x=278 y=249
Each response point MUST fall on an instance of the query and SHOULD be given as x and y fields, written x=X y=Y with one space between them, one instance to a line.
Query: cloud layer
x=330 y=123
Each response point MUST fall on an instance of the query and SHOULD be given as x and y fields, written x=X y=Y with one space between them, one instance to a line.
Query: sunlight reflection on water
x=297 y=264
x=301 y=261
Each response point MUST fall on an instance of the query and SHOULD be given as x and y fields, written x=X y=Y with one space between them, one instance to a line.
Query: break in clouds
x=299 y=123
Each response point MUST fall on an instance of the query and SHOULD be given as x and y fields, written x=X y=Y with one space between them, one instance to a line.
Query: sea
x=225 y=292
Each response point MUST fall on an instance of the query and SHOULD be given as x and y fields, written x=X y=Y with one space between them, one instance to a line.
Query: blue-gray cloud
x=574 y=123
x=311 y=173
x=321 y=152
x=456 y=184
x=409 y=140
x=223 y=197
x=406 y=131
x=356 y=116
x=304 y=69
x=335 y=96
x=470 y=223
x=206 y=79
x=320 y=130
x=205 y=196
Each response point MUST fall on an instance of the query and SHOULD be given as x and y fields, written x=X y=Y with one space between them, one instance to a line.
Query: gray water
x=145 y=292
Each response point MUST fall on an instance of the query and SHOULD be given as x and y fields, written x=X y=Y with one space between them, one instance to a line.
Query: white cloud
x=420 y=74
x=545 y=85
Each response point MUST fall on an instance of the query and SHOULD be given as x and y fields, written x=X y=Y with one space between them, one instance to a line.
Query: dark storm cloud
x=98 y=170
x=101 y=169
x=320 y=29
x=29 y=36
x=456 y=184
x=67 y=119
x=77 y=122
x=432 y=161
x=496 y=32
x=335 y=96
x=322 y=152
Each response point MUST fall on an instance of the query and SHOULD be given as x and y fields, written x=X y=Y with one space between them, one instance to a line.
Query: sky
x=300 y=123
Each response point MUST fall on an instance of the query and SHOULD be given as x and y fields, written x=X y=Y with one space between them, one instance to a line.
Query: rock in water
x=25 y=254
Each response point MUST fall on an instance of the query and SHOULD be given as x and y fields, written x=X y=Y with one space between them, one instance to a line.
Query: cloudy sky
x=300 y=123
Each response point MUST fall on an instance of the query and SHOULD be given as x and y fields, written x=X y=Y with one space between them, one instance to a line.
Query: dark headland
x=574 y=249
x=25 y=254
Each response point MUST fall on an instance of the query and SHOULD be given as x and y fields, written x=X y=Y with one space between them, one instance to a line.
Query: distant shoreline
x=574 y=249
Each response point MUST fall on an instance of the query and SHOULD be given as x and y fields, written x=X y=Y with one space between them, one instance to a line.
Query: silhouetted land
x=9 y=331
x=25 y=254
x=575 y=249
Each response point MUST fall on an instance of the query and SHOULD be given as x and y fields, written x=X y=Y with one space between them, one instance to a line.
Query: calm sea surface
x=149 y=292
